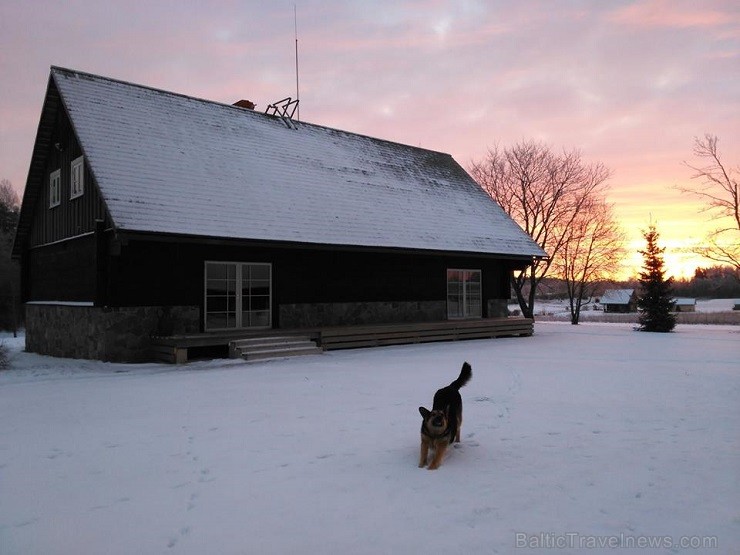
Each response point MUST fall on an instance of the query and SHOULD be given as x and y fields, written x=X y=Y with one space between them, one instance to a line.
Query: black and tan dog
x=441 y=425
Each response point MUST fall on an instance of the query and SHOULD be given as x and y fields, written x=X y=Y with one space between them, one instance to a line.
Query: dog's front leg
x=439 y=453
x=424 y=452
x=459 y=427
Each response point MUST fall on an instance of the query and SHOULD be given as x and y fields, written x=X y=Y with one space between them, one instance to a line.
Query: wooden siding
x=64 y=271
x=153 y=273
x=73 y=217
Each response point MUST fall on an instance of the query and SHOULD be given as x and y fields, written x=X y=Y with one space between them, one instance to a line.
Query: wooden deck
x=175 y=348
x=397 y=334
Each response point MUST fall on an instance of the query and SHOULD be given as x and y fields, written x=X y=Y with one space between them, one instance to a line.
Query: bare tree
x=591 y=253
x=9 y=206
x=9 y=271
x=544 y=193
x=8 y=196
x=717 y=186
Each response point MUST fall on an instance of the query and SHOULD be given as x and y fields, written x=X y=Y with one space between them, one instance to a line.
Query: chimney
x=248 y=104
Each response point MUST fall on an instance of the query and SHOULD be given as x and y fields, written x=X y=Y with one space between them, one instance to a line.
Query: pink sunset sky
x=628 y=83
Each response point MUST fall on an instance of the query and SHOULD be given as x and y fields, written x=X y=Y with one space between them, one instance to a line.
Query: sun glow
x=679 y=239
x=679 y=261
x=682 y=222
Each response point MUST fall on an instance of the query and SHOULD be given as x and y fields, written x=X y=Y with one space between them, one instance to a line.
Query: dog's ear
x=424 y=413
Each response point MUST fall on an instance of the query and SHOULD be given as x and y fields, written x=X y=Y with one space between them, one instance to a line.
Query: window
x=464 y=299
x=55 y=188
x=237 y=295
x=77 y=179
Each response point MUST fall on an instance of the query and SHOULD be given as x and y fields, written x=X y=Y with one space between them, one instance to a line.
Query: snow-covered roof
x=168 y=163
x=617 y=296
x=684 y=301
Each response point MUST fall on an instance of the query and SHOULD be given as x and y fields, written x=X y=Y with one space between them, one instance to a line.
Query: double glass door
x=237 y=295
x=464 y=294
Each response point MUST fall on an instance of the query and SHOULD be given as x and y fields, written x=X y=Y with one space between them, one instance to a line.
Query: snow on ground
x=575 y=437
x=715 y=305
x=594 y=310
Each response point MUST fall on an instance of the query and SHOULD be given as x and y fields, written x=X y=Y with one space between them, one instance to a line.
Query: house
x=682 y=304
x=619 y=300
x=148 y=212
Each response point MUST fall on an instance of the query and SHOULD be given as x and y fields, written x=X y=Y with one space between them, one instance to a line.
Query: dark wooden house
x=152 y=213
x=684 y=304
x=619 y=300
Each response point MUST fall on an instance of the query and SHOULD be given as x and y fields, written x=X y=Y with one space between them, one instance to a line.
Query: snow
x=63 y=303
x=589 y=433
x=560 y=307
x=715 y=305
x=168 y=163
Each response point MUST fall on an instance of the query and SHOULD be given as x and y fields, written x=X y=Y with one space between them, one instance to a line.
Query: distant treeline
x=717 y=282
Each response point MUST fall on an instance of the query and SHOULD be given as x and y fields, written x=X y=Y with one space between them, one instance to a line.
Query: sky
x=629 y=84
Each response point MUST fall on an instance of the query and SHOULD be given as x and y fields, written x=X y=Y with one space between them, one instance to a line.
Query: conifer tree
x=656 y=296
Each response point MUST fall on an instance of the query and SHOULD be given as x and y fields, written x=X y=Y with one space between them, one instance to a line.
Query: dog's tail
x=465 y=374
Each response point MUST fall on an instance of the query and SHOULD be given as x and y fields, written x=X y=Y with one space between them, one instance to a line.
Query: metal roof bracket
x=284 y=109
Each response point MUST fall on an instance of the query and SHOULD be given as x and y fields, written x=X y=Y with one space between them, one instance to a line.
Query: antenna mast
x=297 y=94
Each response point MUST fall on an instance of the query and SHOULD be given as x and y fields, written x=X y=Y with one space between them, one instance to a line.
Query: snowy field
x=560 y=308
x=580 y=436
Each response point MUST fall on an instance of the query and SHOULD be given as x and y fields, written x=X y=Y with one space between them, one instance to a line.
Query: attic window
x=77 y=187
x=55 y=188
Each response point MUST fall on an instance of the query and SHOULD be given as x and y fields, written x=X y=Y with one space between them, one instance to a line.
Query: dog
x=441 y=425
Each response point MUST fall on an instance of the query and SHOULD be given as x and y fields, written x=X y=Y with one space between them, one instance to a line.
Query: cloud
x=628 y=83
x=675 y=14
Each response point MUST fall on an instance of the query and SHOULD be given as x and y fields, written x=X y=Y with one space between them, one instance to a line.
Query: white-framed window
x=237 y=295
x=77 y=178
x=55 y=188
x=464 y=294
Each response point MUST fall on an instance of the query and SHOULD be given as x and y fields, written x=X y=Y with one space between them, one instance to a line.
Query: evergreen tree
x=656 y=296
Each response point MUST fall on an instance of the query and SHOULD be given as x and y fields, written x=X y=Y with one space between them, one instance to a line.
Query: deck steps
x=264 y=348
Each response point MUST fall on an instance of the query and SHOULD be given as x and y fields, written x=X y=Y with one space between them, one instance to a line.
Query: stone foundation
x=498 y=308
x=346 y=314
x=102 y=333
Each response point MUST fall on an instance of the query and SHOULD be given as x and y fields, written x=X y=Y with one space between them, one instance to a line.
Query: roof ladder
x=284 y=109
